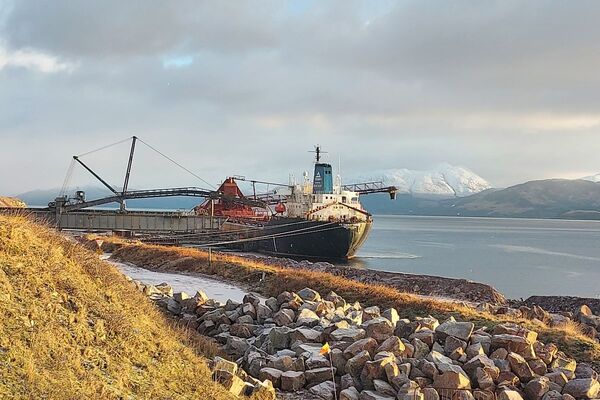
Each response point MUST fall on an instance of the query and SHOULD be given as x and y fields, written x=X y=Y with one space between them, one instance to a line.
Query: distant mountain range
x=444 y=190
x=444 y=180
x=592 y=178
x=550 y=198
x=43 y=197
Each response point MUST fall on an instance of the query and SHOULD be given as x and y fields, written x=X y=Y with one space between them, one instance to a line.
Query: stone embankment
x=374 y=354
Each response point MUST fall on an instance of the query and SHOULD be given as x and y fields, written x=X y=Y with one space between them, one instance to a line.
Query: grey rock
x=348 y=334
x=284 y=317
x=394 y=345
x=459 y=330
x=292 y=381
x=350 y=393
x=585 y=388
x=379 y=328
x=271 y=374
x=308 y=294
x=537 y=388
x=318 y=375
x=368 y=344
x=371 y=395
x=355 y=365
x=325 y=390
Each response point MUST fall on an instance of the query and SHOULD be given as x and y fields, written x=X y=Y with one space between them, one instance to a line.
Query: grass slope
x=271 y=280
x=72 y=327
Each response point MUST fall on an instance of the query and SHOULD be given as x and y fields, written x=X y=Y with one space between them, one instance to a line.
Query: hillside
x=11 y=202
x=551 y=198
x=443 y=180
x=42 y=197
x=72 y=327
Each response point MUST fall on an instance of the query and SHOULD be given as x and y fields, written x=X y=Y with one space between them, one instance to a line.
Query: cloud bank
x=506 y=88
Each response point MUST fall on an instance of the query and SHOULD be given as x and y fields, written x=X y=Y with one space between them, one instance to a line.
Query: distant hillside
x=552 y=198
x=43 y=197
x=11 y=202
x=593 y=178
x=443 y=180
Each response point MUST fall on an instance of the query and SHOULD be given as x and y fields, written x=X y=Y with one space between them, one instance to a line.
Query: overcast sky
x=508 y=89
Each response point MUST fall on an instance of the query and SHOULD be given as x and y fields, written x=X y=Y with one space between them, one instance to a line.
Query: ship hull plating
x=295 y=237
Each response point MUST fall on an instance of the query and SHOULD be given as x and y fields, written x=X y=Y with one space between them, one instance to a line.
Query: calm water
x=519 y=257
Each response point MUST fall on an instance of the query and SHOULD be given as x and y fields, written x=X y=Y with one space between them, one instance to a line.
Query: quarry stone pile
x=373 y=353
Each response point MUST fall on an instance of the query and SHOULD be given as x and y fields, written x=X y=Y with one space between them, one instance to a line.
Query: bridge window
x=344 y=199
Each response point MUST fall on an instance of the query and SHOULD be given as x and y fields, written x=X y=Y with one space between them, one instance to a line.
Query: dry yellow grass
x=12 y=202
x=270 y=280
x=72 y=327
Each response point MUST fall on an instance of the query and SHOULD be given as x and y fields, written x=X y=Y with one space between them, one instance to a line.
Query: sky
x=508 y=89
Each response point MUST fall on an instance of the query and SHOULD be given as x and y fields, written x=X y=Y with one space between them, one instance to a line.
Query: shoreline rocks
x=373 y=354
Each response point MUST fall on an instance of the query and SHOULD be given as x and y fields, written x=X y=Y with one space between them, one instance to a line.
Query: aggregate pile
x=374 y=354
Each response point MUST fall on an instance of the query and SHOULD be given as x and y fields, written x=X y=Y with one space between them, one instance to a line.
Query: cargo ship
x=313 y=219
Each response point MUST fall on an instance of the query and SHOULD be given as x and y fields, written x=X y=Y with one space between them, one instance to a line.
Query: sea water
x=519 y=257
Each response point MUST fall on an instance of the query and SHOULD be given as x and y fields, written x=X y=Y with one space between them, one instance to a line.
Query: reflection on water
x=520 y=257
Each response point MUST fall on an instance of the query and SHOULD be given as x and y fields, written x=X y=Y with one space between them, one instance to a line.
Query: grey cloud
x=127 y=28
x=506 y=88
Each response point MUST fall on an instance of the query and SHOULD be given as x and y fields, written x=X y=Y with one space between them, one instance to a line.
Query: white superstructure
x=339 y=205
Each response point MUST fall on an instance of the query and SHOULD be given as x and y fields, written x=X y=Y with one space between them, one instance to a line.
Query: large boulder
x=451 y=380
x=271 y=374
x=384 y=388
x=350 y=393
x=459 y=330
x=292 y=381
x=585 y=388
x=305 y=335
x=307 y=317
x=263 y=390
x=234 y=384
x=368 y=344
x=379 y=328
x=438 y=358
x=347 y=334
x=519 y=366
x=284 y=317
x=421 y=349
x=481 y=361
x=308 y=294
x=425 y=335
x=394 y=345
x=537 y=388
x=392 y=315
x=223 y=364
x=375 y=370
x=515 y=344
x=324 y=390
x=278 y=339
x=371 y=395
x=509 y=394
x=318 y=375
x=516 y=330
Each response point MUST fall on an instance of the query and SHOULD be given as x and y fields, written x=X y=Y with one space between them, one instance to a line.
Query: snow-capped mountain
x=442 y=180
x=593 y=178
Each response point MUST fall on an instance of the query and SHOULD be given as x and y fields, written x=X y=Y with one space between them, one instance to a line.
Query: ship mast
x=318 y=152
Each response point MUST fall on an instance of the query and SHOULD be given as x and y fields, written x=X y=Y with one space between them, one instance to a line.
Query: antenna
x=318 y=152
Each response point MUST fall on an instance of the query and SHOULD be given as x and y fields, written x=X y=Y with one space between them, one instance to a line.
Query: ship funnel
x=323 y=179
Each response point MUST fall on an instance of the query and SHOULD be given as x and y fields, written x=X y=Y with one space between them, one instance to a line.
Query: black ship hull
x=295 y=237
